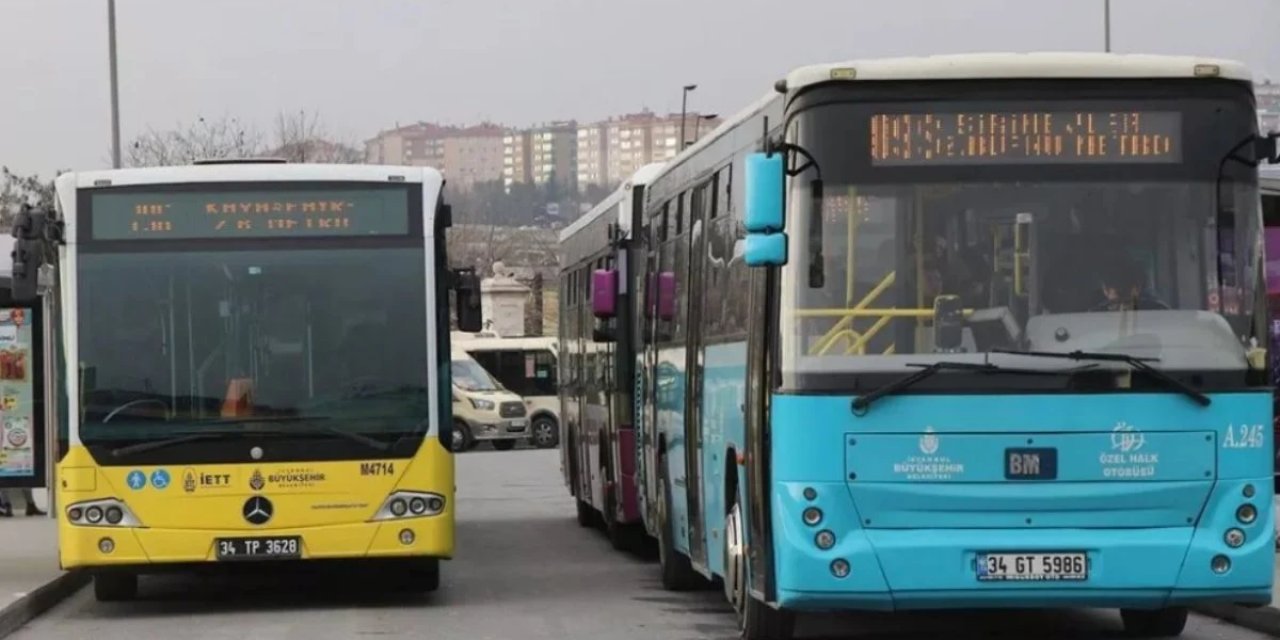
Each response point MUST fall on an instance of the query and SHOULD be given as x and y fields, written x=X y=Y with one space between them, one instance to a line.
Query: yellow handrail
x=830 y=337
x=869 y=313
x=860 y=346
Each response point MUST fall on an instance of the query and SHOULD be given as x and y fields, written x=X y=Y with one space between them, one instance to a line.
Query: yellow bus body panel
x=329 y=504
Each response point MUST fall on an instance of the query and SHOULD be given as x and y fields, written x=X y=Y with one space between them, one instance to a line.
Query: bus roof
x=642 y=176
x=976 y=66
x=253 y=172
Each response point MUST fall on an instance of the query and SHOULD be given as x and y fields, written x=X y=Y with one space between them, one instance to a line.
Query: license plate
x=521 y=423
x=1023 y=463
x=277 y=548
x=1033 y=567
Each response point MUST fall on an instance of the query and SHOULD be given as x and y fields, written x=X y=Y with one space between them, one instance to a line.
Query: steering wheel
x=140 y=401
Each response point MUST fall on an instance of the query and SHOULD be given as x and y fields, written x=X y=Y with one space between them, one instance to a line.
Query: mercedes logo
x=257 y=510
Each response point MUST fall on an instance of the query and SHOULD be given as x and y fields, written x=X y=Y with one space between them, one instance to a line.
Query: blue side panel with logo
x=1131 y=500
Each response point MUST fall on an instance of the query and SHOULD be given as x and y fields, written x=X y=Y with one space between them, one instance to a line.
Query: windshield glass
x=303 y=339
x=470 y=376
x=909 y=261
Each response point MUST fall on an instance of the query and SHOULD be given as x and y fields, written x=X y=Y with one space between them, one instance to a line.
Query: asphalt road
x=524 y=570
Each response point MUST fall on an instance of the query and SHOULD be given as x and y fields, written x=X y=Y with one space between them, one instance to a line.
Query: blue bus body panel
x=1146 y=485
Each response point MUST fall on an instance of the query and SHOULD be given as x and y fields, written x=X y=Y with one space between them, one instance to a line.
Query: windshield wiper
x=188 y=436
x=862 y=402
x=359 y=437
x=167 y=442
x=1133 y=361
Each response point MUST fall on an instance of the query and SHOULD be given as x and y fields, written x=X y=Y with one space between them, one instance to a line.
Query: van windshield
x=470 y=376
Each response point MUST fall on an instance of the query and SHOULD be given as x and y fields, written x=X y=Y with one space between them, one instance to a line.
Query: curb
x=1262 y=619
x=37 y=601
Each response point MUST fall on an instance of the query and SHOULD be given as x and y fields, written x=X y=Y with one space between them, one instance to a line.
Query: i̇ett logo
x=257 y=510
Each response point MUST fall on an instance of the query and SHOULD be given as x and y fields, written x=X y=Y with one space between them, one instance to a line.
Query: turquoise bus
x=959 y=332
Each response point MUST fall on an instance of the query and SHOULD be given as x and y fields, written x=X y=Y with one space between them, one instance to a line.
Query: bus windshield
x=171 y=341
x=911 y=263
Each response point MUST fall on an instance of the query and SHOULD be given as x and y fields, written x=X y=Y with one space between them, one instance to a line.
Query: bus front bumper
x=141 y=547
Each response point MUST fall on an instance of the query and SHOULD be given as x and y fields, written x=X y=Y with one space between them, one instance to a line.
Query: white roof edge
x=727 y=125
x=972 y=66
x=258 y=172
x=642 y=176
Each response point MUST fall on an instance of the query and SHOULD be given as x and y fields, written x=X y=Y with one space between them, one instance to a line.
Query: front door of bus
x=693 y=386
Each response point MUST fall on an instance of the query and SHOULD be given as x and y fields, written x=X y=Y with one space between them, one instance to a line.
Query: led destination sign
x=1026 y=137
x=249 y=214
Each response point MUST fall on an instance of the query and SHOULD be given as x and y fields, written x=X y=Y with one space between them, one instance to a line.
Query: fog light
x=1234 y=538
x=825 y=539
x=1247 y=513
x=106 y=545
x=406 y=537
x=398 y=507
x=75 y=514
x=418 y=506
x=1220 y=564
x=839 y=568
x=436 y=505
x=93 y=514
x=1248 y=491
x=810 y=493
x=812 y=516
x=114 y=515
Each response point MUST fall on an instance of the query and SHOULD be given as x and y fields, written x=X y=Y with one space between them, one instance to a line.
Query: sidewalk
x=30 y=581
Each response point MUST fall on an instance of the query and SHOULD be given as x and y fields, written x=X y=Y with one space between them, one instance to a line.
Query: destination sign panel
x=1026 y=137
x=249 y=214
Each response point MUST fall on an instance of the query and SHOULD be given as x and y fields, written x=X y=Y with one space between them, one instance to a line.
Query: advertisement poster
x=17 y=396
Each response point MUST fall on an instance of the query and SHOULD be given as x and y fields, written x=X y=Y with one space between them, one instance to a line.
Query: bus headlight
x=102 y=513
x=410 y=504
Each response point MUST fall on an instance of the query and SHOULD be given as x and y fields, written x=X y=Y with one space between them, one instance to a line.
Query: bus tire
x=504 y=445
x=461 y=439
x=586 y=515
x=422 y=576
x=544 y=432
x=756 y=620
x=115 y=587
x=1156 y=623
x=677 y=570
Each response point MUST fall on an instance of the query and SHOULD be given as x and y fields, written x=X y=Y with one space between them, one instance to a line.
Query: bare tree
x=16 y=190
x=303 y=137
x=205 y=139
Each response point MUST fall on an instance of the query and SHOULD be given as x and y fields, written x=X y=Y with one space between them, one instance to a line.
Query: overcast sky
x=368 y=64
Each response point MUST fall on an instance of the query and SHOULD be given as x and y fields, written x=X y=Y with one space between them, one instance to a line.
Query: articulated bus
x=250 y=365
x=597 y=360
x=958 y=331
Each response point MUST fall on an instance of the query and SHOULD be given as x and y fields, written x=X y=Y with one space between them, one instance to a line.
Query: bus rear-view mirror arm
x=466 y=287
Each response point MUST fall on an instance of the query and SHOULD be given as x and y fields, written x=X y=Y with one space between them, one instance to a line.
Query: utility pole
x=115 y=85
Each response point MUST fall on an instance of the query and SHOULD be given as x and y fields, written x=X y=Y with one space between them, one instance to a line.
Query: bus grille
x=512 y=410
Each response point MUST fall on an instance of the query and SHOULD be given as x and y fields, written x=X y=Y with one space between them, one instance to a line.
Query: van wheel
x=546 y=433
x=461 y=440
x=504 y=445
x=115 y=587
x=1158 y=623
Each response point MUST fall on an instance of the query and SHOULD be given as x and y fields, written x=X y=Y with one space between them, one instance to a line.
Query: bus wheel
x=546 y=435
x=586 y=515
x=115 y=587
x=756 y=620
x=1158 y=623
x=677 y=570
x=461 y=440
x=504 y=445
x=422 y=576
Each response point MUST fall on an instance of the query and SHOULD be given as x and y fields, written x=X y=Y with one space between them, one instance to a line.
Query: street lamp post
x=1106 y=24
x=115 y=87
x=684 y=106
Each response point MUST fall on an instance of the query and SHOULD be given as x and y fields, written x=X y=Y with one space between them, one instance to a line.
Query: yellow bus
x=249 y=362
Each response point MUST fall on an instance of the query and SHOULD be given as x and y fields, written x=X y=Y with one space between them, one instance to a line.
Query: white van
x=526 y=366
x=484 y=410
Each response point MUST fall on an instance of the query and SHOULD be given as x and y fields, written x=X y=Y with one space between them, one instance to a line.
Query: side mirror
x=948 y=324
x=604 y=293
x=1266 y=148
x=467 y=287
x=28 y=253
x=764 y=198
x=666 y=296
x=765 y=177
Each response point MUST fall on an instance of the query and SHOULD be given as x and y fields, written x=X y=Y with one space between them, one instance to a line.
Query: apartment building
x=1268 y=97
x=465 y=155
x=613 y=149
x=542 y=154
